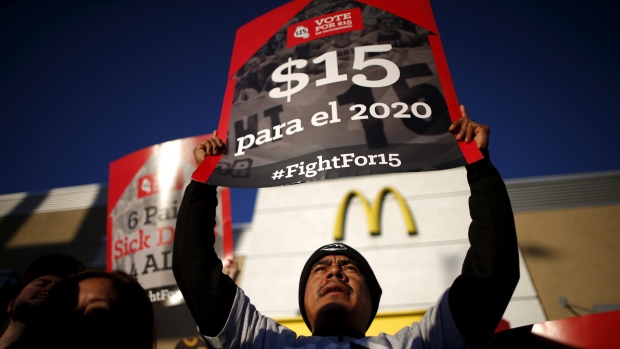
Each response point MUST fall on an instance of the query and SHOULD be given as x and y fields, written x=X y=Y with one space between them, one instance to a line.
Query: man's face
x=95 y=312
x=337 y=295
x=97 y=293
x=32 y=296
x=253 y=64
x=387 y=25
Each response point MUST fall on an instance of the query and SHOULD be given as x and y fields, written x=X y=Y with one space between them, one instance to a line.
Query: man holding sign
x=339 y=294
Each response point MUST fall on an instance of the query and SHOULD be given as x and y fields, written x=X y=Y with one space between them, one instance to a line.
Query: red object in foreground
x=586 y=331
x=502 y=326
x=594 y=331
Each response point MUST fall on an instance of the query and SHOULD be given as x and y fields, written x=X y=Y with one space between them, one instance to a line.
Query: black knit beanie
x=51 y=264
x=345 y=250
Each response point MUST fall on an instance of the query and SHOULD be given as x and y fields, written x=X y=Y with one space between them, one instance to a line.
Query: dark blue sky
x=83 y=83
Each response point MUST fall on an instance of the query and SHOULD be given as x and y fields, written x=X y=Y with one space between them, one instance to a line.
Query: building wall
x=572 y=253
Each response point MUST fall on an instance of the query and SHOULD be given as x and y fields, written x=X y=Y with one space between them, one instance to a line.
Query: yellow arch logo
x=373 y=212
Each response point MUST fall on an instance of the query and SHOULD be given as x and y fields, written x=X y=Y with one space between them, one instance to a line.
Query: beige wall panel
x=48 y=228
x=79 y=233
x=573 y=253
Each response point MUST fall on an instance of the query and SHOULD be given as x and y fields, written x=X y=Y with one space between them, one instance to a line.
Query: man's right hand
x=211 y=147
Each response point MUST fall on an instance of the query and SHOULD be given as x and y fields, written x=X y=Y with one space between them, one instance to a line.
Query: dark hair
x=130 y=323
x=386 y=16
x=57 y=264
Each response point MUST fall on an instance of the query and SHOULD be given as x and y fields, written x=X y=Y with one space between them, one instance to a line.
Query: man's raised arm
x=208 y=293
x=490 y=273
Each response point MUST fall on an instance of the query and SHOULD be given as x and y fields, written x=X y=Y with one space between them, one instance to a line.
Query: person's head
x=103 y=309
x=387 y=23
x=338 y=292
x=252 y=64
x=38 y=280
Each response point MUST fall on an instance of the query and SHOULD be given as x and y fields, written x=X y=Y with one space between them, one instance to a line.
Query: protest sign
x=145 y=191
x=323 y=89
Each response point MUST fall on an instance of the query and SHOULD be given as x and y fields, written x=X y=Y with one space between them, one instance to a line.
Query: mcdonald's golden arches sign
x=372 y=211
